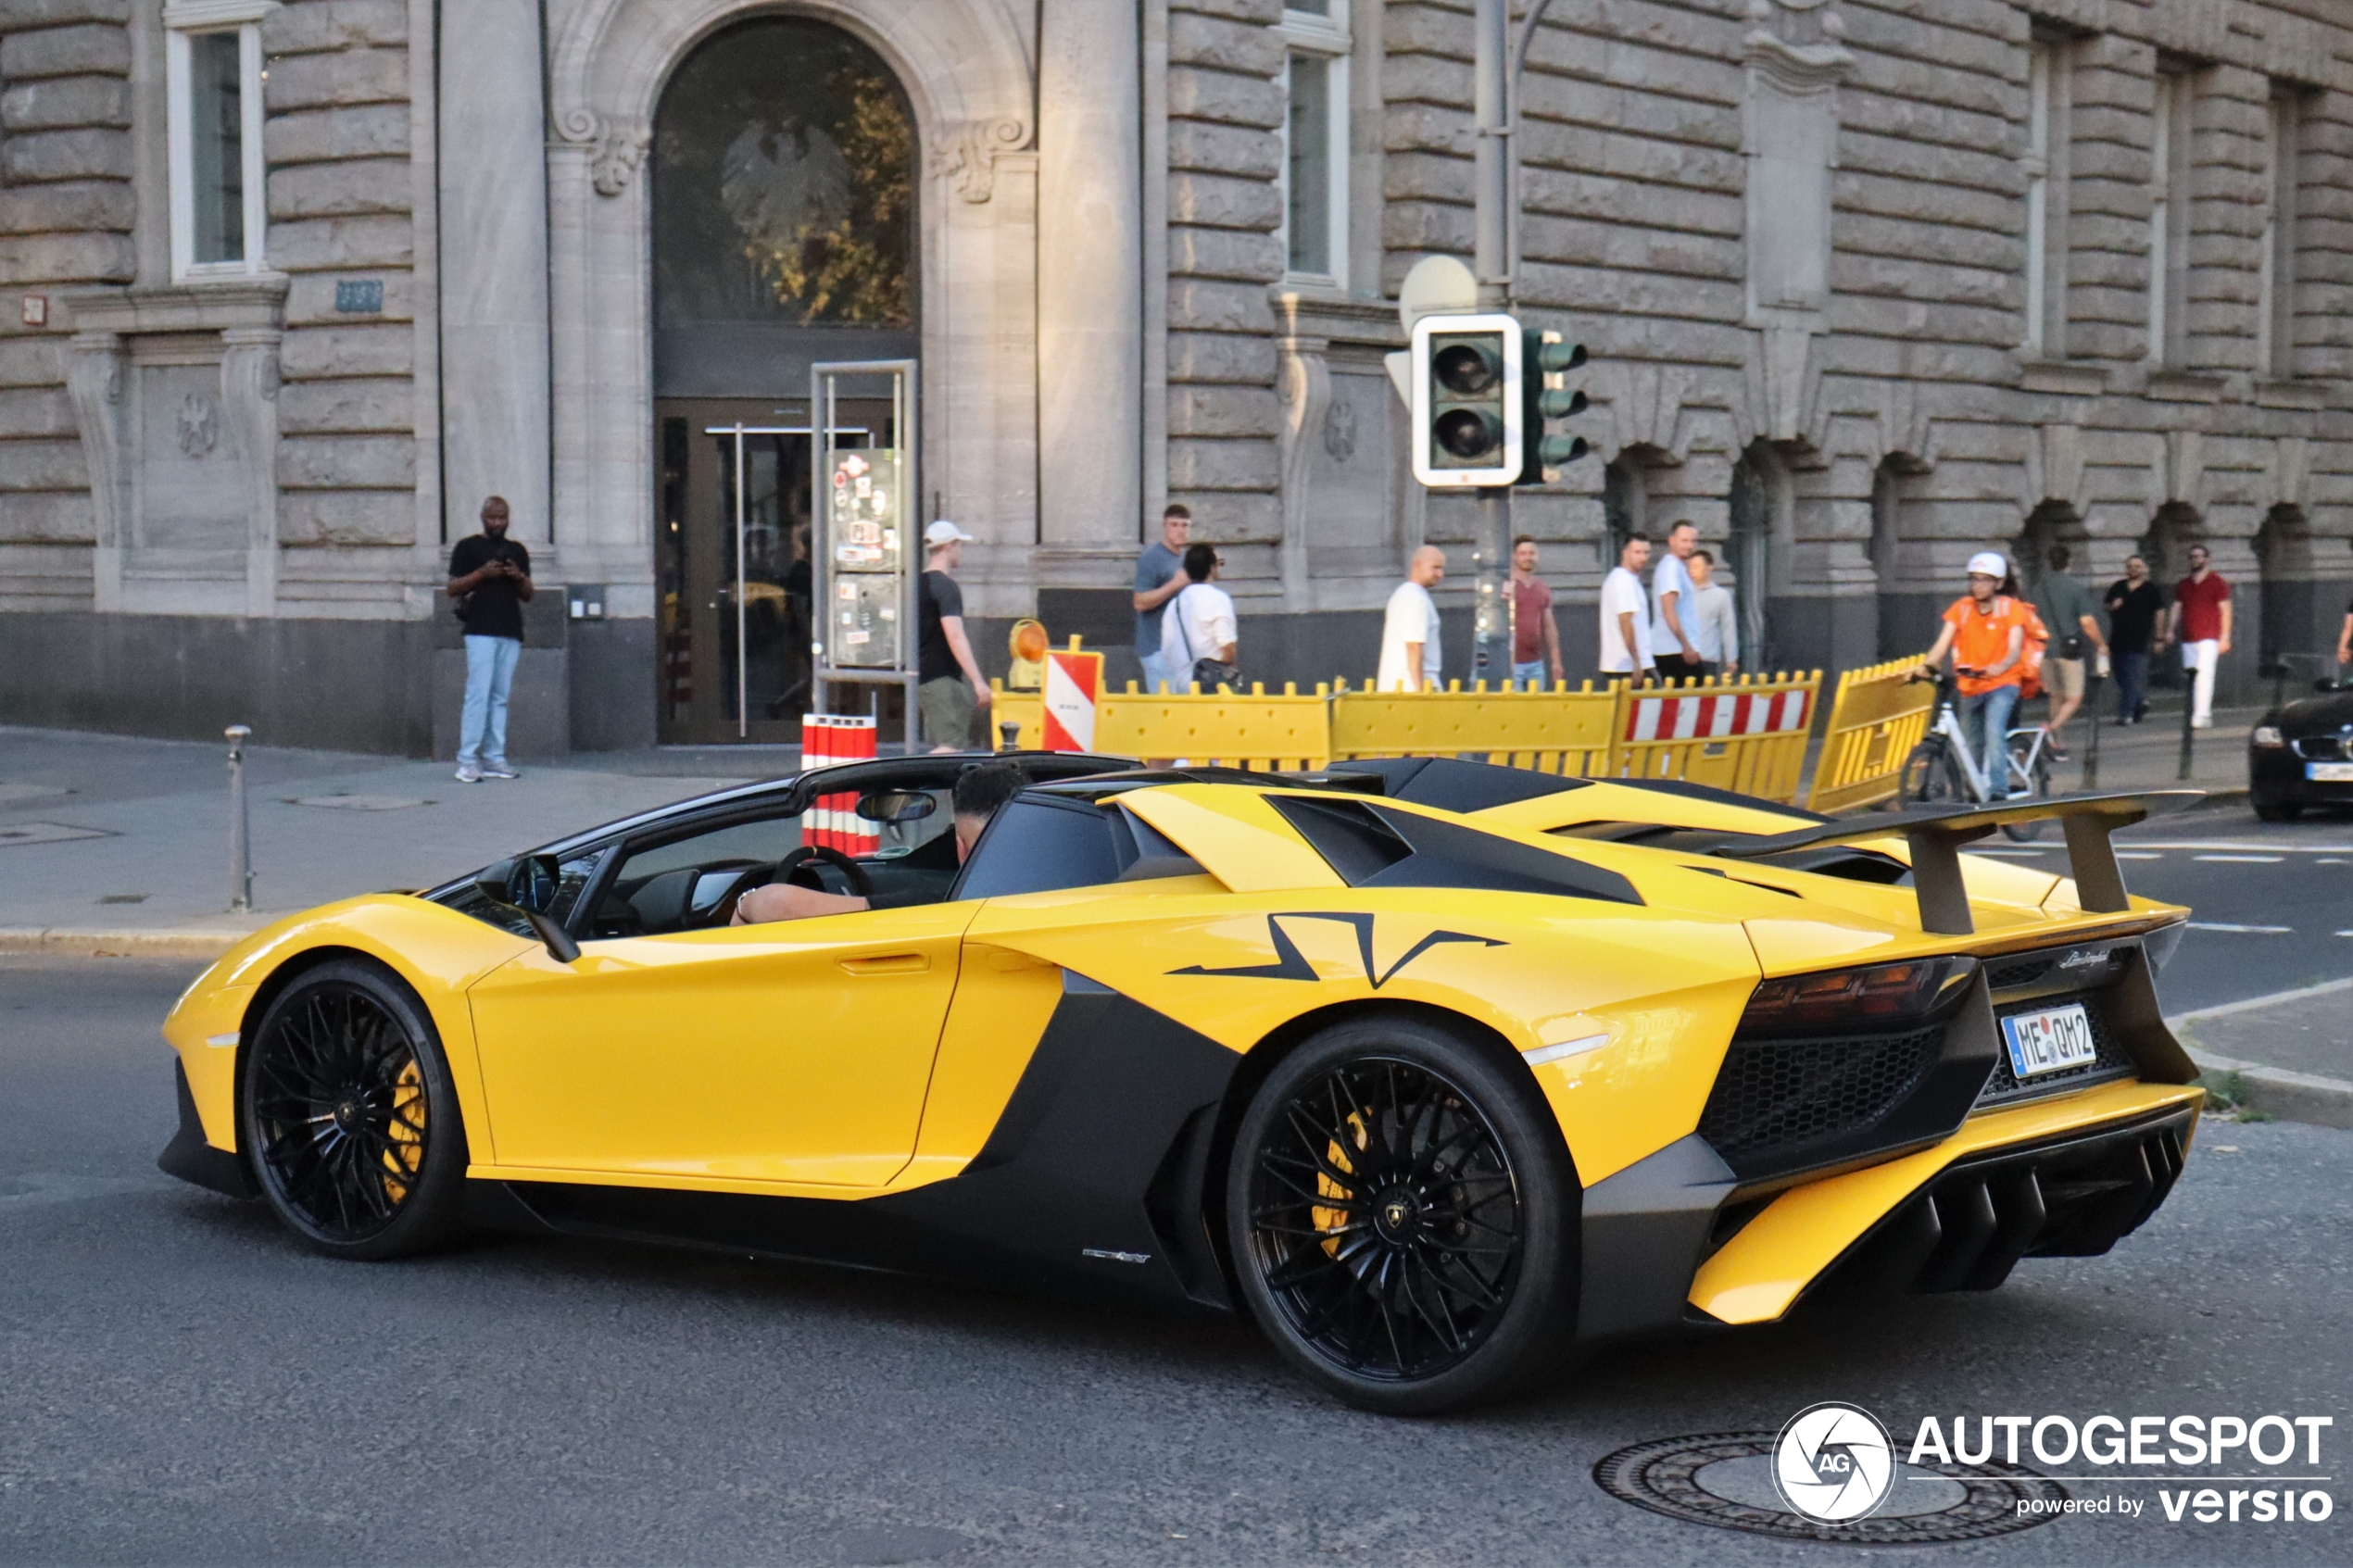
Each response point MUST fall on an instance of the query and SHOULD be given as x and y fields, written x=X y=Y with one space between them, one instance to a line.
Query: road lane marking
x=2241 y=844
x=2223 y=1009
x=2243 y=860
x=2137 y=855
x=2242 y=930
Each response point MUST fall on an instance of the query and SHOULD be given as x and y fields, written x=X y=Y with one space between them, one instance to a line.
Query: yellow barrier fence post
x=1560 y=731
x=1878 y=715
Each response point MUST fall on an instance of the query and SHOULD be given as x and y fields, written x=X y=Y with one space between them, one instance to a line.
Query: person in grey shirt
x=1712 y=621
x=1160 y=577
x=2069 y=616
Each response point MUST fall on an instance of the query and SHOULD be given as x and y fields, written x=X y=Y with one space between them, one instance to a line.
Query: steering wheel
x=859 y=882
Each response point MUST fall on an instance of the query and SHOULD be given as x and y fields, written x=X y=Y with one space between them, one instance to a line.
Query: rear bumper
x=1957 y=1216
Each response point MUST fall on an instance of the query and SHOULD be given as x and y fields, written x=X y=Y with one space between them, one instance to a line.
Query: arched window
x=1748 y=549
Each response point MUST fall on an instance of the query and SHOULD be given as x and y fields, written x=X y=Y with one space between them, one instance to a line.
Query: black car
x=2302 y=755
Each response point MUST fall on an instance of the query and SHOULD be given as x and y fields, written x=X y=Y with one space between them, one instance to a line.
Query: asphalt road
x=2271 y=904
x=181 y=1383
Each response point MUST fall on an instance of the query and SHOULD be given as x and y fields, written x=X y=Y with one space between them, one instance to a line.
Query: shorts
x=2063 y=679
x=948 y=709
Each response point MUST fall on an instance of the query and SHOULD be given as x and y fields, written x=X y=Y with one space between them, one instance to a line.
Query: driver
x=1985 y=631
x=979 y=791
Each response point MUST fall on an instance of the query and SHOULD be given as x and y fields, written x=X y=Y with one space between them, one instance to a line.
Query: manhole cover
x=1726 y=1478
x=357 y=802
x=47 y=832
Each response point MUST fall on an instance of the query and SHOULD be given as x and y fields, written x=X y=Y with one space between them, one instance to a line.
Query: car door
x=791 y=1052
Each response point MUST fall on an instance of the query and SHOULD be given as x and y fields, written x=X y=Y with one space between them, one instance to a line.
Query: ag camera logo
x=1833 y=1463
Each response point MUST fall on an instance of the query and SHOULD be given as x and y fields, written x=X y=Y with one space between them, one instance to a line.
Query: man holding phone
x=489 y=579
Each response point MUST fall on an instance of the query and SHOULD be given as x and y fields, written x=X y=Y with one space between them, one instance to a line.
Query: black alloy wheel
x=1400 y=1211
x=348 y=1117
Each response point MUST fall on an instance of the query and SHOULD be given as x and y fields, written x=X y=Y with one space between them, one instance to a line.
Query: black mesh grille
x=2320 y=747
x=1773 y=1099
x=2002 y=974
x=2113 y=1061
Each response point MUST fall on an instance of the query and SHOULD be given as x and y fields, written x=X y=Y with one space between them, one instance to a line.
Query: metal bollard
x=240 y=834
x=2092 y=751
x=1010 y=730
x=2189 y=726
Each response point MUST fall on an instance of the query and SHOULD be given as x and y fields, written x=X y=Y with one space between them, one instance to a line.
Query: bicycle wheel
x=2036 y=763
x=1928 y=772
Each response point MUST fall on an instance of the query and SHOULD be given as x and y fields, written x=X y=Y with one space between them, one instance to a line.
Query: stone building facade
x=1867 y=284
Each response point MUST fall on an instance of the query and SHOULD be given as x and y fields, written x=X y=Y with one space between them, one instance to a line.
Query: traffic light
x=1545 y=398
x=1467 y=403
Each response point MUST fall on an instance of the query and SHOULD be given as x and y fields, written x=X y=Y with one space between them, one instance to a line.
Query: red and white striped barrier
x=832 y=821
x=1072 y=680
x=1710 y=717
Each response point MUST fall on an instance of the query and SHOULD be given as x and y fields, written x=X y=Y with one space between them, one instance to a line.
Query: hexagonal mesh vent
x=1775 y=1097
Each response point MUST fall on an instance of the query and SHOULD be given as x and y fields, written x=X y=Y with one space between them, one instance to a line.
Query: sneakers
x=469 y=773
x=2054 y=751
x=498 y=770
x=2201 y=723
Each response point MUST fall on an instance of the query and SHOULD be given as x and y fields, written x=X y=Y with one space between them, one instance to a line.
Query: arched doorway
x=1755 y=546
x=783 y=175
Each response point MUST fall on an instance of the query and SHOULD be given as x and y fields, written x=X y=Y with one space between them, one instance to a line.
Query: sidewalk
x=121 y=843
x=2289 y=1056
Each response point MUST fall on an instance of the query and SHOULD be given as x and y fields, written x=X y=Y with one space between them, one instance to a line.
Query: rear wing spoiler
x=1936 y=835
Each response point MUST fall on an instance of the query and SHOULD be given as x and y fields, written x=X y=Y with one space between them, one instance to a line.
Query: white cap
x=1985 y=563
x=943 y=531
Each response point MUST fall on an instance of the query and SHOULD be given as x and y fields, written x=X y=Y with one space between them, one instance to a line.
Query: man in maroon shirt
x=2202 y=622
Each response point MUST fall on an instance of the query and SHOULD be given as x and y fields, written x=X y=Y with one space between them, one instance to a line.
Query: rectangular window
x=213 y=72
x=1315 y=173
x=2275 y=324
x=2046 y=165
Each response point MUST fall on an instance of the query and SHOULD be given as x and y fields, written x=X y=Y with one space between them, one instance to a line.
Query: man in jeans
x=1160 y=577
x=1536 y=636
x=2202 y=621
x=1677 y=656
x=1985 y=631
x=2134 y=609
x=489 y=579
x=2065 y=605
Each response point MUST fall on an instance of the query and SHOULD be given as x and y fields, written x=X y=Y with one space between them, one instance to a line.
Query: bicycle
x=1944 y=767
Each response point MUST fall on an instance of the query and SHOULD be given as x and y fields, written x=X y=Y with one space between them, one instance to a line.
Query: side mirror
x=527 y=885
x=895 y=805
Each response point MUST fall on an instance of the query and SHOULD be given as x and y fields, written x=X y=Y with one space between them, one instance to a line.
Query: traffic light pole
x=1491 y=546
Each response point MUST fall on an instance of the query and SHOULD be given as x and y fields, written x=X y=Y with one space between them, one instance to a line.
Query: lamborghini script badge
x=1291 y=964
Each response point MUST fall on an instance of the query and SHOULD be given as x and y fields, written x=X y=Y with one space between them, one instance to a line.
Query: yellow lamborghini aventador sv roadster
x=1439 y=1070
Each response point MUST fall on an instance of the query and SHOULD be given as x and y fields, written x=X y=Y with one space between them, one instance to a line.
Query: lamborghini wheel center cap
x=1397 y=1217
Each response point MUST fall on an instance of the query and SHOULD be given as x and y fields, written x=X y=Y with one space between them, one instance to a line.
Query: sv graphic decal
x=1291 y=964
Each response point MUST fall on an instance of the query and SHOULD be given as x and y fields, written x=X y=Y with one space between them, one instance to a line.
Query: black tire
x=2272 y=809
x=348 y=1117
x=1402 y=1215
x=1928 y=774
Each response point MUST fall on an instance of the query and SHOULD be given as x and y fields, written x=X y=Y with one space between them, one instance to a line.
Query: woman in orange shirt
x=1986 y=634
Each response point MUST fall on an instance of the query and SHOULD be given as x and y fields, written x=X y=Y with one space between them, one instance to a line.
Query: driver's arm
x=791 y=901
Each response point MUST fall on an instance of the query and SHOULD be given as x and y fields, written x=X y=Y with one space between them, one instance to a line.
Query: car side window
x=1039 y=844
x=682 y=885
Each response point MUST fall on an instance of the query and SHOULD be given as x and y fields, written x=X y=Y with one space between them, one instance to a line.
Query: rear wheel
x=349 y=1118
x=1401 y=1213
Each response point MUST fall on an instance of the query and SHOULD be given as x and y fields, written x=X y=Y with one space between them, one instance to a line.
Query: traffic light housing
x=1469 y=403
x=1546 y=400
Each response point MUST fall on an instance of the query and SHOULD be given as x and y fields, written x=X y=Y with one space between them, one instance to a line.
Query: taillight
x=1856 y=1001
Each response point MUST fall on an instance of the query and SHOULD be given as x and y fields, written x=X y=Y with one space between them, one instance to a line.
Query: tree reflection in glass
x=784 y=182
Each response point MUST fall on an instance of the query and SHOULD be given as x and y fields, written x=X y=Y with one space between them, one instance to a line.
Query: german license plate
x=2047 y=1041
x=2329 y=772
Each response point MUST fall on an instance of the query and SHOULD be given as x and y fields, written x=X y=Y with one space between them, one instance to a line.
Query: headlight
x=2269 y=735
x=1855 y=1001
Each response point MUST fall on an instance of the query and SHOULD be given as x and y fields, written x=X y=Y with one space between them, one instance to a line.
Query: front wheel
x=349 y=1116
x=2272 y=809
x=1928 y=773
x=2036 y=763
x=1402 y=1215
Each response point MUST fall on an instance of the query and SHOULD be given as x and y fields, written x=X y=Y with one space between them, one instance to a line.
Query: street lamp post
x=1490 y=624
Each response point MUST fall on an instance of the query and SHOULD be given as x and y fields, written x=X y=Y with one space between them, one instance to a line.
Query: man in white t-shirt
x=1409 y=650
x=1671 y=595
x=1199 y=622
x=1626 y=612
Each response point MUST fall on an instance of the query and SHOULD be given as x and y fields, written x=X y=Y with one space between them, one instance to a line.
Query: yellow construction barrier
x=1559 y=731
x=1876 y=720
x=1260 y=730
x=1748 y=734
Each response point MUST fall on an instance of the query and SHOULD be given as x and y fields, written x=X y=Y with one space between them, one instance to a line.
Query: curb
x=159 y=944
x=2289 y=1097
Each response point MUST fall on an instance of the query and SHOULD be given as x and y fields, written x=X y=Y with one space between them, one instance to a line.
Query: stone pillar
x=94 y=380
x=249 y=394
x=494 y=264
x=1089 y=275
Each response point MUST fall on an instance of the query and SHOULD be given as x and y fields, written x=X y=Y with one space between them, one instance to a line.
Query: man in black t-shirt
x=489 y=579
x=949 y=687
x=2134 y=607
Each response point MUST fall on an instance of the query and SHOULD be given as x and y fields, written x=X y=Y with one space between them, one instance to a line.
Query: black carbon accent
x=190 y=1159
x=1369 y=846
x=1642 y=1233
x=1102 y=1149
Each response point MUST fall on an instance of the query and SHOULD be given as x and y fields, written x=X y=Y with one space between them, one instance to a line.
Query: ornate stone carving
x=967 y=154
x=199 y=425
x=616 y=147
x=1340 y=430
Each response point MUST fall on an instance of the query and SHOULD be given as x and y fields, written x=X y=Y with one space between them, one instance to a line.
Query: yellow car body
x=1033 y=1089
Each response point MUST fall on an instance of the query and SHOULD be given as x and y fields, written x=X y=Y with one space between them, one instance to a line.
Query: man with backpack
x=1986 y=631
x=2066 y=612
x=1199 y=639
